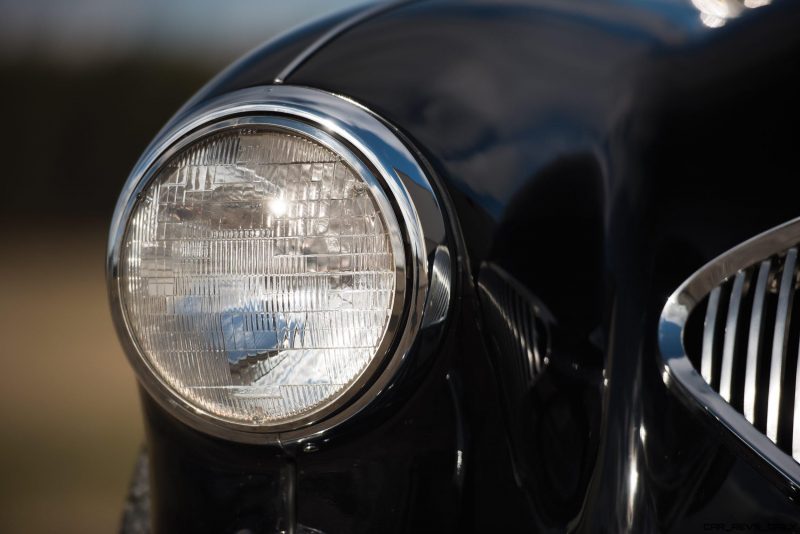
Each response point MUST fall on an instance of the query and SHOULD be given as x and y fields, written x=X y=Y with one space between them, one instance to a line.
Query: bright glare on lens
x=257 y=275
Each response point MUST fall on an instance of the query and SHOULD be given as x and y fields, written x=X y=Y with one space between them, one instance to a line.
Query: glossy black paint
x=201 y=484
x=598 y=152
x=266 y=62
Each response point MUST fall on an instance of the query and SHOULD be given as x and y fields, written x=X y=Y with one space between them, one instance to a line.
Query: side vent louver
x=516 y=322
x=730 y=341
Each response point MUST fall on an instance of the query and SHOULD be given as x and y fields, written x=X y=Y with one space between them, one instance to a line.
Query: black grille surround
x=729 y=339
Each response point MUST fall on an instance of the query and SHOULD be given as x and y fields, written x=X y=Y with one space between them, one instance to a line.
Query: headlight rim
x=371 y=146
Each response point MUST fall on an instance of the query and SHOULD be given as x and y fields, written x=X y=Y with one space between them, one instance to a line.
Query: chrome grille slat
x=796 y=422
x=709 y=327
x=754 y=340
x=729 y=345
x=779 y=343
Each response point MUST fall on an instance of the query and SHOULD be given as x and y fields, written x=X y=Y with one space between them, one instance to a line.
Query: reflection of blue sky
x=88 y=29
x=497 y=136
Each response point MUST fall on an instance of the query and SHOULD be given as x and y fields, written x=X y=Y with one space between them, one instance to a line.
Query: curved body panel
x=591 y=156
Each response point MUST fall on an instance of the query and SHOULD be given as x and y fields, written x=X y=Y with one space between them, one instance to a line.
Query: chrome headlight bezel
x=393 y=175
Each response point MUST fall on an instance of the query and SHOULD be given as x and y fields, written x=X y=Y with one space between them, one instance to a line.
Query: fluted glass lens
x=257 y=275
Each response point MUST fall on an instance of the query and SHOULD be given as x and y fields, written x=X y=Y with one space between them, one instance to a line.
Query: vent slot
x=516 y=322
x=744 y=339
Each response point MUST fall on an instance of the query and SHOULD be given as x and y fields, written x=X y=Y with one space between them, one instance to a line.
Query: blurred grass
x=69 y=410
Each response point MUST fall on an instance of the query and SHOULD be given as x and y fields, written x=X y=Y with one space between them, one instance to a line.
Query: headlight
x=267 y=268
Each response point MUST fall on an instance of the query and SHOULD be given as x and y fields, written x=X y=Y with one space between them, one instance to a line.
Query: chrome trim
x=351 y=131
x=709 y=330
x=679 y=373
x=754 y=340
x=728 y=347
x=439 y=294
x=780 y=341
x=796 y=421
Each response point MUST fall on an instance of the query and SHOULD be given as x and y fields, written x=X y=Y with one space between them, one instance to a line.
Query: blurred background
x=84 y=86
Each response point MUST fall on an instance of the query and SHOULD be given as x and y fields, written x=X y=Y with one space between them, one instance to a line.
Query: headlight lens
x=259 y=273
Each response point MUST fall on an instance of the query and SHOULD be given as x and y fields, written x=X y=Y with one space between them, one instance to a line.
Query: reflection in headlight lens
x=257 y=275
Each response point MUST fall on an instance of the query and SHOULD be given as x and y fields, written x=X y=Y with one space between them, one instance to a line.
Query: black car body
x=588 y=157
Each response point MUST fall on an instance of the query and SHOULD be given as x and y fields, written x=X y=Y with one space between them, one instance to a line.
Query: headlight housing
x=268 y=265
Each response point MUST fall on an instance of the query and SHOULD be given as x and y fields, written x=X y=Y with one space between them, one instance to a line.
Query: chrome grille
x=744 y=338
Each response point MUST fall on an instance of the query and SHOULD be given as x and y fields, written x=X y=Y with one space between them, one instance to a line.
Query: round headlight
x=267 y=266
x=259 y=273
